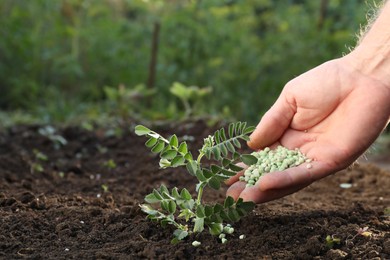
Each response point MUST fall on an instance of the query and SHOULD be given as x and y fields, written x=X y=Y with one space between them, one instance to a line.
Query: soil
x=78 y=205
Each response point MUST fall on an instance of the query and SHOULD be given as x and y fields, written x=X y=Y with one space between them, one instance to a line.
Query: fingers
x=303 y=174
x=279 y=184
x=235 y=190
x=235 y=178
x=272 y=125
x=258 y=196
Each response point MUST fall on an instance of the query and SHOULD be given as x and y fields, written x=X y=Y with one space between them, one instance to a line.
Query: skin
x=332 y=113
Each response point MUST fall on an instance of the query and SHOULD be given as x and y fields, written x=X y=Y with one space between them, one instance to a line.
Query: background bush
x=58 y=56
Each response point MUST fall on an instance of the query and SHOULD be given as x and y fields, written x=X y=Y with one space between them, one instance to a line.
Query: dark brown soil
x=62 y=211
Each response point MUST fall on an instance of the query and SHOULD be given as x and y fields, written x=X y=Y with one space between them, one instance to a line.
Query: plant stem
x=200 y=193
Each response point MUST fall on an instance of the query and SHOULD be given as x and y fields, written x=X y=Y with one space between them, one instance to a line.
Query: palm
x=330 y=115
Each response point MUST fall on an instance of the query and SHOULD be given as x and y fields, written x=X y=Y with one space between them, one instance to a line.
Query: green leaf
x=175 y=193
x=245 y=205
x=230 y=147
x=214 y=183
x=233 y=215
x=164 y=189
x=215 y=228
x=208 y=153
x=199 y=224
x=169 y=154
x=249 y=130
x=165 y=205
x=231 y=130
x=158 y=147
x=180 y=234
x=183 y=148
x=174 y=241
x=243 y=125
x=223 y=150
x=236 y=143
x=185 y=194
x=229 y=201
x=215 y=168
x=216 y=153
x=216 y=137
x=222 y=134
x=151 y=142
x=188 y=156
x=238 y=128
x=208 y=210
x=173 y=141
x=225 y=162
x=200 y=211
x=228 y=173
x=208 y=174
x=235 y=168
x=245 y=137
x=248 y=159
x=224 y=216
x=157 y=194
x=178 y=161
x=200 y=176
x=192 y=167
x=151 y=198
x=171 y=207
x=217 y=208
x=149 y=210
x=142 y=130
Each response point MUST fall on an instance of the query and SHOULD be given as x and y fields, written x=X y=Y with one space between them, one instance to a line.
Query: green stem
x=200 y=193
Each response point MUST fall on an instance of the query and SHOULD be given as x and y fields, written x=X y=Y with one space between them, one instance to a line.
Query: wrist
x=372 y=61
x=372 y=56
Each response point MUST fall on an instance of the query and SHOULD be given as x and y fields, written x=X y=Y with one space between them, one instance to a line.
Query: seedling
x=104 y=187
x=177 y=207
x=272 y=160
x=50 y=132
x=363 y=232
x=110 y=164
x=331 y=241
x=39 y=155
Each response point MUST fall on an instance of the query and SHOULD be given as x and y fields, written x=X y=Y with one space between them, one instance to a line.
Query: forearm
x=372 y=55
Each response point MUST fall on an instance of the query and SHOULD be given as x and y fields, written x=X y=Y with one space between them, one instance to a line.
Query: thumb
x=273 y=124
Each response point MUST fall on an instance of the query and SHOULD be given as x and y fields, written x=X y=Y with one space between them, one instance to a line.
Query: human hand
x=332 y=113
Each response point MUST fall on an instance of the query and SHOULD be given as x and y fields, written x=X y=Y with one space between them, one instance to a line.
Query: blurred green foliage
x=57 y=57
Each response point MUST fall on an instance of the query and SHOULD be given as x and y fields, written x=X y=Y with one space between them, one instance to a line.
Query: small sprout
x=61 y=174
x=36 y=167
x=241 y=237
x=39 y=155
x=110 y=164
x=196 y=243
x=332 y=240
x=309 y=166
x=224 y=240
x=222 y=236
x=50 y=132
x=105 y=187
x=387 y=212
x=364 y=232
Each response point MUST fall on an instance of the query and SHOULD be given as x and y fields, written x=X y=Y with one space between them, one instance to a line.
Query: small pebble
x=196 y=243
x=241 y=236
x=345 y=185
